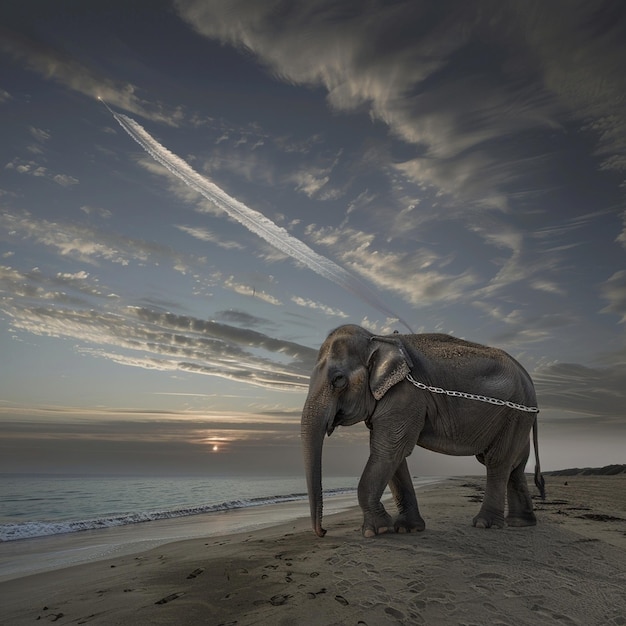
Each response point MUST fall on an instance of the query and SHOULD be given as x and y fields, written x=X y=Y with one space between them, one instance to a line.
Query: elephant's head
x=353 y=372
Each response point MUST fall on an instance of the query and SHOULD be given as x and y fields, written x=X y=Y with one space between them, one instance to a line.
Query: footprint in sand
x=279 y=599
x=196 y=573
x=313 y=594
x=394 y=613
x=171 y=597
x=553 y=616
x=342 y=600
x=53 y=617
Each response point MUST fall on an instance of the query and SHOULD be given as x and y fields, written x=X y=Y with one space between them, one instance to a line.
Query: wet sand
x=569 y=569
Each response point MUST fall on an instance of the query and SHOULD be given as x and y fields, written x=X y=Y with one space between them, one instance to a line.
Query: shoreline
x=571 y=567
x=32 y=555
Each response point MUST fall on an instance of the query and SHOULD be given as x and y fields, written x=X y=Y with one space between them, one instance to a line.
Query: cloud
x=614 y=290
x=88 y=244
x=68 y=438
x=77 y=288
x=75 y=307
x=32 y=168
x=99 y=212
x=597 y=394
x=53 y=64
x=252 y=219
x=39 y=134
x=141 y=337
x=94 y=246
x=311 y=180
x=360 y=67
x=312 y=304
x=518 y=326
x=580 y=52
x=65 y=180
x=203 y=234
x=518 y=266
x=411 y=66
x=242 y=318
x=250 y=290
x=412 y=275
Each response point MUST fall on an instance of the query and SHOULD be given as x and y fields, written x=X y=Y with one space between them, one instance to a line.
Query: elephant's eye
x=339 y=381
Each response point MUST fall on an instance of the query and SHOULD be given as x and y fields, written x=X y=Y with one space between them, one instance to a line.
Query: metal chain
x=471 y=396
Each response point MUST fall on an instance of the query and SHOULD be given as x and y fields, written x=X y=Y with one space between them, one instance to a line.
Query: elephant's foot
x=368 y=533
x=520 y=521
x=408 y=524
x=489 y=519
x=376 y=524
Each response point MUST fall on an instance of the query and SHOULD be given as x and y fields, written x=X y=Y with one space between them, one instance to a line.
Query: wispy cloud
x=175 y=441
x=614 y=291
x=583 y=391
x=34 y=286
x=470 y=124
x=518 y=326
x=32 y=168
x=86 y=243
x=39 y=134
x=75 y=75
x=312 y=304
x=62 y=306
x=203 y=234
x=592 y=86
x=249 y=290
x=243 y=318
x=98 y=211
x=418 y=277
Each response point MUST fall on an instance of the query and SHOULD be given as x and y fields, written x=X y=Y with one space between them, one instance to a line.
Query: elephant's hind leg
x=520 y=511
x=401 y=485
x=491 y=514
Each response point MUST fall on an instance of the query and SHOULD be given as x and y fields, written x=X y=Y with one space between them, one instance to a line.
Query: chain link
x=471 y=396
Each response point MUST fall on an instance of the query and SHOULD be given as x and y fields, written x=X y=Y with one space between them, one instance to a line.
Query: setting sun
x=215 y=447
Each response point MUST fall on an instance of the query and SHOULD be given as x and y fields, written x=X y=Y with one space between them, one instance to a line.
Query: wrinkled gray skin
x=361 y=377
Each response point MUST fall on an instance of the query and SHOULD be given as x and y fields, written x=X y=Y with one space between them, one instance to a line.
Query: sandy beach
x=569 y=569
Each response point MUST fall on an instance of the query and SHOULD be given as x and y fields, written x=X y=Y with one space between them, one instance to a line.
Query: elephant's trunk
x=314 y=425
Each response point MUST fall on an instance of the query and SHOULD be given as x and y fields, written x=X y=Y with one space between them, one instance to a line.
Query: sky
x=458 y=167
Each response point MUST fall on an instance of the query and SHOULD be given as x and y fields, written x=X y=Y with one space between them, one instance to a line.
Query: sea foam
x=30 y=529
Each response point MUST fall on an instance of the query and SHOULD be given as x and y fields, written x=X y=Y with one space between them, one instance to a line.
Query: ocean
x=51 y=521
x=40 y=505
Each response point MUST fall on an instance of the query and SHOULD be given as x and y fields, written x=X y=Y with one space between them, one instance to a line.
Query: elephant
x=362 y=377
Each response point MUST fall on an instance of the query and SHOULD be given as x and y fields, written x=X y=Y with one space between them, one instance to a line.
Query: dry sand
x=567 y=570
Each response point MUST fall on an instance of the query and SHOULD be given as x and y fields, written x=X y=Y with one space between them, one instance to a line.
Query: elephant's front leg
x=401 y=485
x=377 y=473
x=392 y=439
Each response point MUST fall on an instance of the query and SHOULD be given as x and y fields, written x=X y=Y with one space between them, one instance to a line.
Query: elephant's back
x=448 y=361
x=442 y=347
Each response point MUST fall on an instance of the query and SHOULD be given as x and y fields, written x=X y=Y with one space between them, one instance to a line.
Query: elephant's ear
x=388 y=364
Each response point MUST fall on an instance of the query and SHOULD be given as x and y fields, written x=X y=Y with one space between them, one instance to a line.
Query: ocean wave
x=31 y=529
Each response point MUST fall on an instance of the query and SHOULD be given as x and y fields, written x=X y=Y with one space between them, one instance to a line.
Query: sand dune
x=569 y=569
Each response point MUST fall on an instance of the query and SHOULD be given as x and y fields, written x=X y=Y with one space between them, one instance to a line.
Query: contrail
x=253 y=220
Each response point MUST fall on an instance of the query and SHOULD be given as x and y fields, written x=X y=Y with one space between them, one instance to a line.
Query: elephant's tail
x=539 y=481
